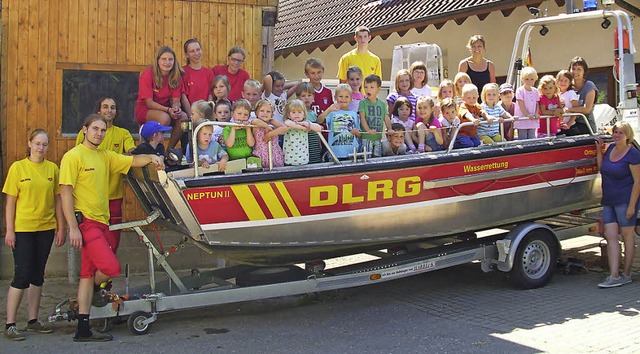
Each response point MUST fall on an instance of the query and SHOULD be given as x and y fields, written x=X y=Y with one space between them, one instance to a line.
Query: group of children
x=428 y=124
x=354 y=119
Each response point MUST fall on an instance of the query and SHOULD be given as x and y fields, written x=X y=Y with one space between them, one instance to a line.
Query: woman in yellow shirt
x=34 y=217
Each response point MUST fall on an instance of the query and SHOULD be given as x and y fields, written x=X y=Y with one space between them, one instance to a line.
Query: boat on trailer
x=319 y=211
x=288 y=215
x=424 y=208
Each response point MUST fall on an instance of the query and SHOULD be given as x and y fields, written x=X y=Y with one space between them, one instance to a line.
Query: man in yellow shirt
x=361 y=57
x=120 y=141
x=84 y=189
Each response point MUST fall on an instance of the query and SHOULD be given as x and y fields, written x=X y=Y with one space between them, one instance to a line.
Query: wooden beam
x=507 y=12
x=421 y=29
x=481 y=17
x=560 y=2
x=439 y=25
x=385 y=36
x=460 y=21
x=402 y=33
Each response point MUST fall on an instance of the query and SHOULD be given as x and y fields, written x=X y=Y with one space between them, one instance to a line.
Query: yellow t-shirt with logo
x=87 y=171
x=369 y=63
x=118 y=140
x=35 y=186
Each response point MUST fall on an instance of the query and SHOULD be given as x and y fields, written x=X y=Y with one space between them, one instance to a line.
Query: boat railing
x=454 y=133
x=194 y=143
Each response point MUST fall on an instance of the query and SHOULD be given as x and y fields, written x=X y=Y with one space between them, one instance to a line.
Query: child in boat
x=404 y=84
x=153 y=134
x=201 y=111
x=568 y=98
x=373 y=116
x=343 y=124
x=208 y=151
x=239 y=139
x=221 y=113
x=220 y=88
x=470 y=111
x=305 y=92
x=277 y=91
x=445 y=90
x=506 y=101
x=354 y=79
x=395 y=144
x=449 y=119
x=549 y=106
x=322 y=97
x=402 y=112
x=527 y=98
x=490 y=132
x=427 y=130
x=262 y=136
x=418 y=71
x=459 y=81
x=296 y=138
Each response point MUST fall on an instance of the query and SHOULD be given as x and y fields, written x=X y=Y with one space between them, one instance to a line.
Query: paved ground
x=459 y=310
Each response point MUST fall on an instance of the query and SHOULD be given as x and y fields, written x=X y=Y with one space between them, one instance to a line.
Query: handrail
x=194 y=142
x=484 y=122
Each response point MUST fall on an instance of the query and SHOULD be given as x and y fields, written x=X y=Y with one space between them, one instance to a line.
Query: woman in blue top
x=620 y=169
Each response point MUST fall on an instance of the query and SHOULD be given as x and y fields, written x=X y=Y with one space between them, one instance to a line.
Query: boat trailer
x=528 y=252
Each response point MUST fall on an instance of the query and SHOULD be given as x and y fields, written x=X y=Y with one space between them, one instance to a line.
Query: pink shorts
x=96 y=251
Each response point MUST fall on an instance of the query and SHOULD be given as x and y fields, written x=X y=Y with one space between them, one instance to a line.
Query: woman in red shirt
x=159 y=92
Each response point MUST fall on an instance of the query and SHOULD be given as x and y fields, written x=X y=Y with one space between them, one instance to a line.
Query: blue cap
x=151 y=127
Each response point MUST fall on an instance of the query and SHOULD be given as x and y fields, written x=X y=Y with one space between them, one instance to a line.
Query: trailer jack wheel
x=535 y=260
x=137 y=323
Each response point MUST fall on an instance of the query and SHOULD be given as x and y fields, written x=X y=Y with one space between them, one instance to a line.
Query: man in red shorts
x=84 y=189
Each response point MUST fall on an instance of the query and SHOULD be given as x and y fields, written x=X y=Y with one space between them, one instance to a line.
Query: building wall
x=550 y=53
x=42 y=38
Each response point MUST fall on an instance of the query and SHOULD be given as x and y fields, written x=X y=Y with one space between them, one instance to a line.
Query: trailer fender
x=508 y=246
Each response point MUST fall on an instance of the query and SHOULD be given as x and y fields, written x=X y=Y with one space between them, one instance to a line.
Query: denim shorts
x=617 y=214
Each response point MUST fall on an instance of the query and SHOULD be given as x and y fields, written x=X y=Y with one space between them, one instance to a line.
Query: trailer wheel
x=136 y=324
x=535 y=260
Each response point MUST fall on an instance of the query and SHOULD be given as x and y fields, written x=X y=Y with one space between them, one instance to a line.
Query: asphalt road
x=457 y=310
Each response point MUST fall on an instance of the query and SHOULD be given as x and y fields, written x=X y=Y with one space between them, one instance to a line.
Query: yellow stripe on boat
x=287 y=199
x=271 y=200
x=248 y=203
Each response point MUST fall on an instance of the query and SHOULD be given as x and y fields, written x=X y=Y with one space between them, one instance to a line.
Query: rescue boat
x=290 y=215
x=298 y=214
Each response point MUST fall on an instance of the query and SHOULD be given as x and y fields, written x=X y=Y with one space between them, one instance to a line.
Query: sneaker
x=39 y=327
x=99 y=299
x=107 y=285
x=12 y=333
x=94 y=337
x=626 y=279
x=611 y=282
